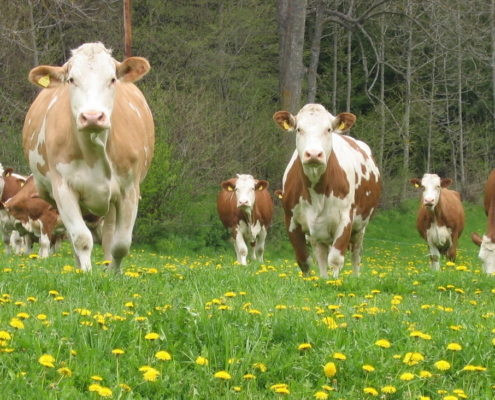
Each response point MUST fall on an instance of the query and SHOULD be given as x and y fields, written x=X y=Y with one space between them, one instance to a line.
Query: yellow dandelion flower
x=339 y=356
x=384 y=343
x=320 y=395
x=442 y=365
x=413 y=358
x=368 y=368
x=151 y=375
x=450 y=397
x=406 y=376
x=222 y=375
x=425 y=374
x=125 y=387
x=47 y=360
x=97 y=378
x=330 y=369
x=41 y=317
x=371 y=391
x=424 y=398
x=454 y=347
x=66 y=372
x=104 y=391
x=388 y=389
x=22 y=315
x=152 y=336
x=163 y=355
x=330 y=323
x=230 y=294
x=201 y=360
x=260 y=366
x=304 y=346
x=4 y=335
x=249 y=376
x=94 y=387
x=16 y=323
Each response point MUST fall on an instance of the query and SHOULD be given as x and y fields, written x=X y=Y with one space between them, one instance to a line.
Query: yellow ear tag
x=342 y=125
x=279 y=196
x=416 y=185
x=44 y=81
x=260 y=188
x=22 y=184
x=230 y=189
x=286 y=125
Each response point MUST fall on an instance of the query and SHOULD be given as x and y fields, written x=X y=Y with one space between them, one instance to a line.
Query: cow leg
x=107 y=232
x=320 y=251
x=259 y=248
x=303 y=258
x=44 y=250
x=338 y=249
x=357 y=251
x=452 y=251
x=434 y=258
x=240 y=248
x=16 y=242
x=7 y=241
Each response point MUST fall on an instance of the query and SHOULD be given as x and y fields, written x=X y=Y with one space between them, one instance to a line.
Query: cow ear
x=132 y=69
x=278 y=193
x=415 y=182
x=8 y=171
x=21 y=182
x=261 y=185
x=445 y=183
x=343 y=122
x=229 y=186
x=47 y=76
x=285 y=120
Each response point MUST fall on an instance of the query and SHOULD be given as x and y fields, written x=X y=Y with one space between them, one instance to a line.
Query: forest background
x=419 y=76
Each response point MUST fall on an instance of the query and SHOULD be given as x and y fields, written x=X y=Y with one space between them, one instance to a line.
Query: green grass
x=242 y=319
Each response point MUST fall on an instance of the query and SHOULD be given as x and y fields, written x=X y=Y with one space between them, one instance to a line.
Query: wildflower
x=66 y=372
x=339 y=356
x=236 y=388
x=222 y=375
x=406 y=376
x=304 y=346
x=260 y=366
x=281 y=388
x=230 y=294
x=442 y=365
x=152 y=336
x=327 y=388
x=94 y=387
x=163 y=355
x=368 y=368
x=4 y=335
x=330 y=323
x=330 y=369
x=383 y=343
x=104 y=391
x=371 y=391
x=425 y=374
x=41 y=317
x=249 y=376
x=413 y=358
x=320 y=395
x=125 y=387
x=151 y=375
x=97 y=378
x=424 y=398
x=117 y=352
x=201 y=361
x=450 y=397
x=23 y=315
x=388 y=389
x=16 y=323
x=454 y=346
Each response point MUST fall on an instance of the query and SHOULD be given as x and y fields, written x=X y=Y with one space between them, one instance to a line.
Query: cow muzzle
x=96 y=120
x=315 y=157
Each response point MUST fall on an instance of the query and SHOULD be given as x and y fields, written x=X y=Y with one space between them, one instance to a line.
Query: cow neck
x=93 y=146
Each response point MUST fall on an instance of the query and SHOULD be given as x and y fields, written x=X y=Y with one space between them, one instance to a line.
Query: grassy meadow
x=198 y=326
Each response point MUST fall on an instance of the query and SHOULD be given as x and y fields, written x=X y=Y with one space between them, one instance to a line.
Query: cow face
x=245 y=187
x=314 y=127
x=92 y=75
x=432 y=186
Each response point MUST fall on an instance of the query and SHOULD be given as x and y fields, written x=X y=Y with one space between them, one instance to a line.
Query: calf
x=331 y=188
x=487 y=243
x=10 y=184
x=246 y=208
x=440 y=219
x=36 y=216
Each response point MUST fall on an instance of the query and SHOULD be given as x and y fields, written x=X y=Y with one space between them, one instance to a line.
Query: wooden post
x=127 y=29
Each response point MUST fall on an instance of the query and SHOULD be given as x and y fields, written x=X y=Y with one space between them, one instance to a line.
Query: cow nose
x=428 y=202
x=243 y=203
x=93 y=119
x=313 y=156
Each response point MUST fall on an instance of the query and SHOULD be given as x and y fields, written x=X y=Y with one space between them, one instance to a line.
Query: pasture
x=198 y=326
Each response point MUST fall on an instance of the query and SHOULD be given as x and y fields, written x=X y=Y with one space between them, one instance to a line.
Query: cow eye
x=112 y=81
x=70 y=80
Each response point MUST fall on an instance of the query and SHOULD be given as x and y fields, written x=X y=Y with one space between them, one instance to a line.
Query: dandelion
x=280 y=388
x=304 y=346
x=163 y=355
x=388 y=389
x=201 y=360
x=424 y=398
x=450 y=397
x=454 y=347
x=339 y=356
x=320 y=395
x=406 y=376
x=104 y=391
x=384 y=343
x=330 y=323
x=249 y=376
x=152 y=336
x=125 y=387
x=371 y=391
x=260 y=366
x=16 y=323
x=94 y=387
x=23 y=315
x=47 y=360
x=117 y=352
x=65 y=372
x=442 y=365
x=368 y=368
x=330 y=369
x=97 y=378
x=151 y=375
x=425 y=374
x=413 y=358
x=4 y=335
x=222 y=375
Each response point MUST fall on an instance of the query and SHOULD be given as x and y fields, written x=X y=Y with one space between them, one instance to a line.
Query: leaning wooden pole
x=127 y=29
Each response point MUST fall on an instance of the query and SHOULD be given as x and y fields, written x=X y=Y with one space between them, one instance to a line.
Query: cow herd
x=88 y=139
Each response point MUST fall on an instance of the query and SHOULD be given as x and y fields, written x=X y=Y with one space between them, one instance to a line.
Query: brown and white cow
x=245 y=207
x=89 y=140
x=331 y=188
x=35 y=216
x=440 y=219
x=10 y=184
x=487 y=243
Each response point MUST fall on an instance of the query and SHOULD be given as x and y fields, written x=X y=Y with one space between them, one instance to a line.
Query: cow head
x=92 y=75
x=314 y=127
x=245 y=187
x=432 y=186
x=487 y=252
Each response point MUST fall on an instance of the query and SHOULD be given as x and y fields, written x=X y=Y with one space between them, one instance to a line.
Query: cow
x=36 y=219
x=10 y=184
x=440 y=219
x=330 y=189
x=487 y=243
x=245 y=207
x=88 y=138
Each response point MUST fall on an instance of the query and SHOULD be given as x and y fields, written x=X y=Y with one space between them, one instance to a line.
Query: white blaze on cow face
x=92 y=77
x=244 y=192
x=432 y=186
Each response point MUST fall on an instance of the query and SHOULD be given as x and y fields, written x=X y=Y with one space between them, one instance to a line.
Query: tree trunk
x=127 y=29
x=315 y=50
x=291 y=18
